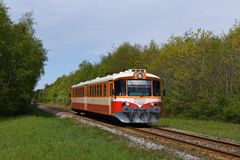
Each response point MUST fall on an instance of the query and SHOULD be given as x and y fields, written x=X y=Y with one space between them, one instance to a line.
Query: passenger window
x=100 y=89
x=97 y=94
x=104 y=90
x=90 y=90
x=95 y=90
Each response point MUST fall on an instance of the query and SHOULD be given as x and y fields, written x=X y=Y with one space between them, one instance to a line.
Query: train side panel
x=99 y=105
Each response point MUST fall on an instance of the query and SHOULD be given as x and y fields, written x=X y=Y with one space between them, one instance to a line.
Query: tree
x=199 y=68
x=22 y=58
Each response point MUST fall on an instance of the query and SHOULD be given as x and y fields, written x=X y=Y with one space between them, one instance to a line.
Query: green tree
x=22 y=58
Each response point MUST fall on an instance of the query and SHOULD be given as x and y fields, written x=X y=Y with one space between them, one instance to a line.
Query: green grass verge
x=211 y=128
x=43 y=136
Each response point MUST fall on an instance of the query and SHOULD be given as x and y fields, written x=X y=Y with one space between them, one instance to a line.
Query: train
x=132 y=96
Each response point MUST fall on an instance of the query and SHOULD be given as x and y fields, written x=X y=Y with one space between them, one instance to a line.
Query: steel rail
x=187 y=142
x=200 y=137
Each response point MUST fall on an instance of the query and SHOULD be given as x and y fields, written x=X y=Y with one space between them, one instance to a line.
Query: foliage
x=22 y=59
x=200 y=70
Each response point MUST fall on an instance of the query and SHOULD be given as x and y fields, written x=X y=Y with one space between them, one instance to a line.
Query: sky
x=77 y=30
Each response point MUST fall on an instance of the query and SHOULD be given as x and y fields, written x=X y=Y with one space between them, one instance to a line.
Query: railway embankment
x=214 y=129
x=157 y=140
x=41 y=135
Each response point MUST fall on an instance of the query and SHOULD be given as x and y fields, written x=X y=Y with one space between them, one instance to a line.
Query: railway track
x=231 y=150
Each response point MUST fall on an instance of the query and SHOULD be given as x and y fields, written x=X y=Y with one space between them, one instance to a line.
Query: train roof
x=127 y=73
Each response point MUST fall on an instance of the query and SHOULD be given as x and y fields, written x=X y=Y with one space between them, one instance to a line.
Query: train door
x=85 y=97
x=110 y=97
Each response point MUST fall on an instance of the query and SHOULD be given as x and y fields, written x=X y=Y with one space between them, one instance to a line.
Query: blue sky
x=77 y=30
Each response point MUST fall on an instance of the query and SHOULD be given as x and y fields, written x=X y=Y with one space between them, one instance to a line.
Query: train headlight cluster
x=153 y=104
x=139 y=76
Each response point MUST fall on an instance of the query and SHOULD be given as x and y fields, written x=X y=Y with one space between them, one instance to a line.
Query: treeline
x=22 y=58
x=201 y=72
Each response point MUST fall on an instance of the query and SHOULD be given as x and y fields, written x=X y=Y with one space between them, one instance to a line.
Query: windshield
x=139 y=87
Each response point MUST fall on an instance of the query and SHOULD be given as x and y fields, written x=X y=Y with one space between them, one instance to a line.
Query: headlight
x=153 y=104
x=127 y=104
x=139 y=76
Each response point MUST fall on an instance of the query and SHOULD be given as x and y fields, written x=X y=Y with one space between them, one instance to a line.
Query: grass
x=211 y=128
x=43 y=136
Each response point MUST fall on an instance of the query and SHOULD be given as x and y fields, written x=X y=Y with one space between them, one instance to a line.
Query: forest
x=201 y=71
x=22 y=58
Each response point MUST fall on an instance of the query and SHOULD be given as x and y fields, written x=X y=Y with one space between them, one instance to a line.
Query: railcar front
x=137 y=98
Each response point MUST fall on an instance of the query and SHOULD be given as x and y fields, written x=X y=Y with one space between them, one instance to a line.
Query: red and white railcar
x=132 y=96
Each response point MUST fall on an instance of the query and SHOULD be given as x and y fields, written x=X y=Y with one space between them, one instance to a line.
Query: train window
x=104 y=90
x=79 y=92
x=100 y=89
x=120 y=87
x=91 y=90
x=96 y=90
x=139 y=87
x=75 y=90
x=156 y=88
